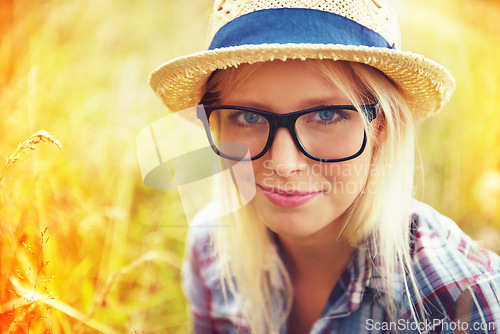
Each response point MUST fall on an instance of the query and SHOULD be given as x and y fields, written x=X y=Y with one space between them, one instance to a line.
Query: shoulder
x=437 y=240
x=211 y=305
x=200 y=266
x=449 y=266
x=199 y=241
x=197 y=266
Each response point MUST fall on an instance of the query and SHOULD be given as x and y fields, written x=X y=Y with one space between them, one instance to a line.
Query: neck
x=322 y=255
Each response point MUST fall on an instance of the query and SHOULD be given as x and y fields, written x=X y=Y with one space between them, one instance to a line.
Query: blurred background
x=85 y=247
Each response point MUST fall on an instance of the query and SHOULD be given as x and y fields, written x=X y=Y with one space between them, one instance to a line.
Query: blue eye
x=245 y=119
x=327 y=115
x=251 y=117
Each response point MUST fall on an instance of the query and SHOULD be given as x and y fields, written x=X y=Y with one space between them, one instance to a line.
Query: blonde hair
x=250 y=264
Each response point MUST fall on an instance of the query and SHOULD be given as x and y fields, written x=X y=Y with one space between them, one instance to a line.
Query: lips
x=286 y=198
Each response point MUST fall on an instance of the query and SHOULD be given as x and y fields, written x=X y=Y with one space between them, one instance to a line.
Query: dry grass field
x=85 y=247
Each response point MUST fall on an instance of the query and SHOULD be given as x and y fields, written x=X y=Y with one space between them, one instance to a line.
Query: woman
x=317 y=98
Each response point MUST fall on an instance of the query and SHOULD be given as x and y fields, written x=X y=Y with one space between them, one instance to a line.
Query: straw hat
x=250 y=31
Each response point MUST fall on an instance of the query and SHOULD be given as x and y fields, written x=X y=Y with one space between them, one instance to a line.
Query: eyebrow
x=303 y=105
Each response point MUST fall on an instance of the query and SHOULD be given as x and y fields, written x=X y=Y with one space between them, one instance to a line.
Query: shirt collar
x=363 y=272
x=347 y=295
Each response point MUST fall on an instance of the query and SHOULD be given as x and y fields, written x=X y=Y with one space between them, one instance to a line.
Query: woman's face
x=296 y=196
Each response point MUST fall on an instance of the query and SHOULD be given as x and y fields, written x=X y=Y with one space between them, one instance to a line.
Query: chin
x=298 y=222
x=296 y=232
x=293 y=224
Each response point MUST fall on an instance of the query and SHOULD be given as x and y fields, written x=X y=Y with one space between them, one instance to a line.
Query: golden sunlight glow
x=85 y=246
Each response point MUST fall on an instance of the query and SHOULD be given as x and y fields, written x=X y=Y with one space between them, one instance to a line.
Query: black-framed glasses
x=326 y=134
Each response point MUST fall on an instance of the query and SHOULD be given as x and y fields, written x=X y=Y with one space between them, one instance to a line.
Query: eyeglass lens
x=326 y=133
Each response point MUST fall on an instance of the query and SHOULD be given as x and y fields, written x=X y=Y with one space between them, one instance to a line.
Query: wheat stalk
x=40 y=136
x=29 y=144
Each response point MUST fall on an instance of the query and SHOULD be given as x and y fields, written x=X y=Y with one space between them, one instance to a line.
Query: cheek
x=262 y=167
x=348 y=179
x=263 y=171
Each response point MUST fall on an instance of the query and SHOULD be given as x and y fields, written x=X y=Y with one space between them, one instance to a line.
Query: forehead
x=285 y=85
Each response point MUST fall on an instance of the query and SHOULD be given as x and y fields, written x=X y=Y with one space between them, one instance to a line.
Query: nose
x=286 y=159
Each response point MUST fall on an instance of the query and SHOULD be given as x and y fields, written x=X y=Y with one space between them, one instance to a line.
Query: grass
x=111 y=263
x=30 y=144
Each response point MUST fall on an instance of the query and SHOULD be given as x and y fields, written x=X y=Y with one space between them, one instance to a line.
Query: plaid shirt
x=458 y=281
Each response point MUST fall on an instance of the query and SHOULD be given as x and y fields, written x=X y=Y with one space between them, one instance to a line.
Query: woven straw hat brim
x=426 y=85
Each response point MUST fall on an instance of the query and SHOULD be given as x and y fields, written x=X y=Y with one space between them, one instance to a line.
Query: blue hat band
x=295 y=25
